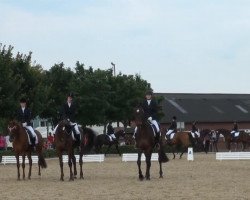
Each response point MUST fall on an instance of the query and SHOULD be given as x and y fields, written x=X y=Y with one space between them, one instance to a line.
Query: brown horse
x=181 y=140
x=243 y=138
x=145 y=142
x=22 y=148
x=65 y=142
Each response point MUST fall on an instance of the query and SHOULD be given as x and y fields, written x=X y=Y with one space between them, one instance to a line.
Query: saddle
x=194 y=135
x=235 y=135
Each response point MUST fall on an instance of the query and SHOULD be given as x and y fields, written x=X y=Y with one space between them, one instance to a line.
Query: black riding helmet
x=149 y=92
x=23 y=100
x=70 y=95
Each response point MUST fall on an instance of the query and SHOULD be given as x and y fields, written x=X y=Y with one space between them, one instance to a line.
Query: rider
x=23 y=115
x=195 y=130
x=68 y=112
x=149 y=106
x=111 y=131
x=172 y=128
x=235 y=129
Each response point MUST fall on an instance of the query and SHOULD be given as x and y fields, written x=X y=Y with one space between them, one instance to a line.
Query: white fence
x=12 y=160
x=233 y=156
x=86 y=158
x=133 y=157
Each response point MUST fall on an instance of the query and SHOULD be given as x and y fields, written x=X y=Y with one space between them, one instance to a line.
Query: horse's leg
x=81 y=163
x=117 y=149
x=70 y=156
x=173 y=150
x=229 y=146
x=183 y=150
x=148 y=163
x=18 y=166
x=74 y=164
x=108 y=149
x=160 y=172
x=23 y=166
x=243 y=146
x=216 y=147
x=30 y=164
x=61 y=165
x=141 y=177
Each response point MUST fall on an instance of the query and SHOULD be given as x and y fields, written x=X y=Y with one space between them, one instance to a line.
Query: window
x=241 y=108
x=177 y=106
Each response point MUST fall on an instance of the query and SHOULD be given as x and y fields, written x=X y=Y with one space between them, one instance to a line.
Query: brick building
x=209 y=110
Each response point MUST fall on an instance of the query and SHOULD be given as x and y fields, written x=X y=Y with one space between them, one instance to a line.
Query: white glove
x=150 y=119
x=24 y=124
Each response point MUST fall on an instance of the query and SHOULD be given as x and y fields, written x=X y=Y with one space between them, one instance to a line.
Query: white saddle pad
x=236 y=134
x=172 y=136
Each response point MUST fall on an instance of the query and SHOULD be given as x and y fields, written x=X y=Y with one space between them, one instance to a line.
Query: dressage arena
x=203 y=178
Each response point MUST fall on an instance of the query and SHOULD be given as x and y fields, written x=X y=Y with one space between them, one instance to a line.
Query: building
x=209 y=110
x=43 y=126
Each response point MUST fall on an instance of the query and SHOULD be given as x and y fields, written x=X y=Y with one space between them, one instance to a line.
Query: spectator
x=50 y=141
x=2 y=143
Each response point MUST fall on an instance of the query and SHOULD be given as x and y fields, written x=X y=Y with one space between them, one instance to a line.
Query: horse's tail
x=162 y=155
x=42 y=161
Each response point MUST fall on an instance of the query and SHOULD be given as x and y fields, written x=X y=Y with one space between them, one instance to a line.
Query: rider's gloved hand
x=150 y=119
x=24 y=124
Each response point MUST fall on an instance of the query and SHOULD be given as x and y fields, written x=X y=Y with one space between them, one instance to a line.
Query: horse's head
x=64 y=126
x=13 y=128
x=139 y=116
x=120 y=133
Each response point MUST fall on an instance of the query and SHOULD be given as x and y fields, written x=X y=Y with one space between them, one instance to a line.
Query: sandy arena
x=204 y=178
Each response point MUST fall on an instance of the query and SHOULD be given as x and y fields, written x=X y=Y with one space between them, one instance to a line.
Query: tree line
x=100 y=96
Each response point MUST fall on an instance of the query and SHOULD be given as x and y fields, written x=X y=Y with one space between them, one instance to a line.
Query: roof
x=205 y=107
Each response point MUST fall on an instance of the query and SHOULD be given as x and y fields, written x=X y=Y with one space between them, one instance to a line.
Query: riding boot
x=77 y=137
x=157 y=139
x=167 y=137
x=33 y=143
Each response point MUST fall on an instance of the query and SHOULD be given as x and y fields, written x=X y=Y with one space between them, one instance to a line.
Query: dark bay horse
x=22 y=148
x=65 y=142
x=243 y=138
x=204 y=140
x=145 y=142
x=103 y=139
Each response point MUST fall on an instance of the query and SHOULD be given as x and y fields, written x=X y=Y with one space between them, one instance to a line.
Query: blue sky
x=178 y=46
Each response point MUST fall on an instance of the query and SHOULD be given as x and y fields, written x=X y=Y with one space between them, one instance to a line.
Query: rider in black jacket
x=23 y=115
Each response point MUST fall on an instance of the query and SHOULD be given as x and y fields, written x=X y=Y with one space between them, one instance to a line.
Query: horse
x=64 y=142
x=204 y=140
x=214 y=139
x=181 y=140
x=243 y=138
x=103 y=139
x=145 y=143
x=22 y=148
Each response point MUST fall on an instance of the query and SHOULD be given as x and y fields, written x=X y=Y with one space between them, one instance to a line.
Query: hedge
x=51 y=153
